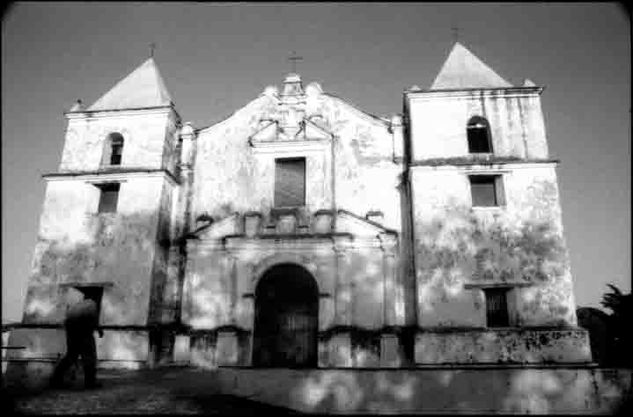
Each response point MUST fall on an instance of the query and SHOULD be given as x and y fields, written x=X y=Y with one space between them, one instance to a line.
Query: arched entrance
x=286 y=318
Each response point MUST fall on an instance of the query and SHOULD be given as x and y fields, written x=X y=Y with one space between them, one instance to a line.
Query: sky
x=215 y=58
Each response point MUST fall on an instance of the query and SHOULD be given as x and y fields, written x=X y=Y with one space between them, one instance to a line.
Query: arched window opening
x=113 y=149
x=478 y=133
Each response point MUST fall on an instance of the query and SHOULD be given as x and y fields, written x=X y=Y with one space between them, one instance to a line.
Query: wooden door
x=286 y=319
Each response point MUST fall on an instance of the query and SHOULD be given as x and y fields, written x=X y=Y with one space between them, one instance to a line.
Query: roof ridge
x=141 y=88
x=463 y=69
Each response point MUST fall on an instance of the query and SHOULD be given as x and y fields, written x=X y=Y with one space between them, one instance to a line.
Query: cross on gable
x=294 y=58
x=455 y=30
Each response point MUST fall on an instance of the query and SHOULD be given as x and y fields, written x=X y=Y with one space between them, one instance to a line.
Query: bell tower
x=487 y=239
x=106 y=220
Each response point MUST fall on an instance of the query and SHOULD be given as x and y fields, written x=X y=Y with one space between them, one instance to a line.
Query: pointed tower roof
x=462 y=69
x=144 y=87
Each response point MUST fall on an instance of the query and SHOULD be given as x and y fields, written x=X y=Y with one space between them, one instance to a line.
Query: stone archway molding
x=284 y=258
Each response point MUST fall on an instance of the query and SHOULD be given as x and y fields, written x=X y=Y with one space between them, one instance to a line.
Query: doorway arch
x=286 y=318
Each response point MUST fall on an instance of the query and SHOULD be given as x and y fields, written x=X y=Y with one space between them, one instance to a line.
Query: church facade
x=303 y=232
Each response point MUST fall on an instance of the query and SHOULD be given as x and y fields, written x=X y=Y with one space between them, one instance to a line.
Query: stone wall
x=240 y=176
x=438 y=122
x=360 y=291
x=149 y=139
x=77 y=245
x=502 y=346
x=126 y=348
x=460 y=249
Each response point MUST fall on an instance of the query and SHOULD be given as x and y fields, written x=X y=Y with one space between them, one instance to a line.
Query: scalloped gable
x=462 y=70
x=143 y=87
x=243 y=116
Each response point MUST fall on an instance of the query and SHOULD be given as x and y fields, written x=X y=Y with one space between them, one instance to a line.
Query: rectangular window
x=290 y=176
x=497 y=307
x=487 y=190
x=109 y=197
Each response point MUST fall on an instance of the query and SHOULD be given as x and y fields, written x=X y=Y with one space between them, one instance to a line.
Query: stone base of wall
x=521 y=346
x=122 y=344
x=439 y=391
x=345 y=347
x=34 y=351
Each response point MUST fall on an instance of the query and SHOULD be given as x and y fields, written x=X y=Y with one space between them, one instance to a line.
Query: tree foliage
x=619 y=322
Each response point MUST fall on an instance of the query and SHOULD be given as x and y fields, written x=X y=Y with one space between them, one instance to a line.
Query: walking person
x=82 y=320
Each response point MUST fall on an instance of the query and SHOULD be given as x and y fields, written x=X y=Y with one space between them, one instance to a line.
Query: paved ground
x=160 y=391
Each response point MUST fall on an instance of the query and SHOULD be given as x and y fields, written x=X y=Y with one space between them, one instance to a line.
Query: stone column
x=227 y=348
x=252 y=223
x=184 y=221
x=397 y=136
x=322 y=221
x=389 y=342
x=343 y=296
x=340 y=344
x=389 y=350
x=187 y=158
x=232 y=276
x=340 y=352
x=182 y=349
x=390 y=281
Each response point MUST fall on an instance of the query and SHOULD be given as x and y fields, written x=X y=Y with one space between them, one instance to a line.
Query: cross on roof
x=294 y=58
x=455 y=30
x=152 y=46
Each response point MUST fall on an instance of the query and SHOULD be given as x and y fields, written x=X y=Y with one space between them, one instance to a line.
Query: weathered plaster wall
x=352 y=273
x=159 y=308
x=356 y=275
x=148 y=137
x=366 y=174
x=349 y=165
x=230 y=175
x=438 y=123
x=519 y=244
x=126 y=347
x=502 y=346
x=78 y=245
x=226 y=177
x=217 y=281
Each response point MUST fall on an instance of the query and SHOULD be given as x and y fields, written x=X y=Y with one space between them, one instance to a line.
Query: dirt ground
x=158 y=391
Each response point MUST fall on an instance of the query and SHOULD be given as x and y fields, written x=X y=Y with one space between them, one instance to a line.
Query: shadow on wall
x=460 y=247
x=212 y=297
x=116 y=250
x=539 y=391
x=467 y=246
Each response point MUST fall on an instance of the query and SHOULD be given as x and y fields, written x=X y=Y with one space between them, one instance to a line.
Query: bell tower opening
x=286 y=318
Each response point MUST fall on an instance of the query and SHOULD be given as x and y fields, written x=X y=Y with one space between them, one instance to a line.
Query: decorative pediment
x=348 y=222
x=312 y=131
x=269 y=131
x=292 y=223
x=275 y=131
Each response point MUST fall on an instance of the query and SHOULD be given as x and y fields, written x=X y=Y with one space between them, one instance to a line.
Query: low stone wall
x=503 y=346
x=485 y=390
